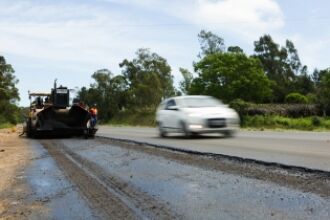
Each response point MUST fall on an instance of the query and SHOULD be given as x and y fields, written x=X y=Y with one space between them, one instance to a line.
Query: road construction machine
x=51 y=114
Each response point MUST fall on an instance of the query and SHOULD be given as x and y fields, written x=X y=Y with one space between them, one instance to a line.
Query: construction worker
x=93 y=114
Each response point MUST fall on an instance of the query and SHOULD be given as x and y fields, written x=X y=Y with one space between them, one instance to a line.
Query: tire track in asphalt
x=111 y=197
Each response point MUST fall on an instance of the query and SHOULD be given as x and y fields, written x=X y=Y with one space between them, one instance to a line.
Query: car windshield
x=198 y=102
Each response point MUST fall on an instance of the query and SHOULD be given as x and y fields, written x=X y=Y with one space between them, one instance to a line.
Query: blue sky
x=69 y=40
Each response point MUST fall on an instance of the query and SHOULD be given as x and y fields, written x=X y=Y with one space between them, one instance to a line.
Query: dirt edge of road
x=306 y=180
x=14 y=191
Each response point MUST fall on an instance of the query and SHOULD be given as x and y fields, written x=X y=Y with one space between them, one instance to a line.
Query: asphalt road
x=303 y=149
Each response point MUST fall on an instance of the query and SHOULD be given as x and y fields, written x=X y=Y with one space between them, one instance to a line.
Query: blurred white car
x=192 y=115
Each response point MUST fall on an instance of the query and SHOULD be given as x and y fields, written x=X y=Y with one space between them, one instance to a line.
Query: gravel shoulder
x=14 y=158
x=32 y=186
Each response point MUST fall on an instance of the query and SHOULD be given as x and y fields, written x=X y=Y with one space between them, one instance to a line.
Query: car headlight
x=195 y=126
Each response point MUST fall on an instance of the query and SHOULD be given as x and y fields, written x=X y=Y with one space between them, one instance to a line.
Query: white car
x=192 y=115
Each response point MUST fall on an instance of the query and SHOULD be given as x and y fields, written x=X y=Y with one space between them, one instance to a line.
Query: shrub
x=311 y=98
x=296 y=98
x=240 y=106
x=275 y=121
x=288 y=110
x=316 y=121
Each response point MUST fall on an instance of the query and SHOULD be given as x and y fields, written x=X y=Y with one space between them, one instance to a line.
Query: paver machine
x=51 y=114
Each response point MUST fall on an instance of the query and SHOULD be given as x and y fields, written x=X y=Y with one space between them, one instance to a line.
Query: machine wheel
x=162 y=132
x=91 y=133
x=29 y=131
x=88 y=130
x=86 y=133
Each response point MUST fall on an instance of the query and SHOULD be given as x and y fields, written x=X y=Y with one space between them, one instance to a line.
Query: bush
x=287 y=110
x=240 y=106
x=135 y=118
x=316 y=121
x=296 y=98
x=6 y=125
x=274 y=121
x=311 y=98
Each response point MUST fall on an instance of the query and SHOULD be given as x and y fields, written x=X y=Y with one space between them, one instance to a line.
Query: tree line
x=143 y=82
x=272 y=74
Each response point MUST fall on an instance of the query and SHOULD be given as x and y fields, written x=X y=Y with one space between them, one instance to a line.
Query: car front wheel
x=229 y=134
x=185 y=130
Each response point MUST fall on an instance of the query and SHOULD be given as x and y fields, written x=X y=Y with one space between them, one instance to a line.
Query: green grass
x=6 y=125
x=280 y=122
x=134 y=119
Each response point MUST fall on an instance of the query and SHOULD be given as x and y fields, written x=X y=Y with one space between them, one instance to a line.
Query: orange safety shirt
x=93 y=111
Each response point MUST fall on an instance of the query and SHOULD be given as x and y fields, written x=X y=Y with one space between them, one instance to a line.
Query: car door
x=161 y=115
x=171 y=113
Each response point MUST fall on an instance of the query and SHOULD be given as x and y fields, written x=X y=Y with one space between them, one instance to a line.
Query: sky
x=69 y=40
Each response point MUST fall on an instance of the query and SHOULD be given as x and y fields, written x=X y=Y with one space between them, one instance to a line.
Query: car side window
x=170 y=103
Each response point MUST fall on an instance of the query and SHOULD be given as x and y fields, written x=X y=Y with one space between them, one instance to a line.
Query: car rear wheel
x=161 y=130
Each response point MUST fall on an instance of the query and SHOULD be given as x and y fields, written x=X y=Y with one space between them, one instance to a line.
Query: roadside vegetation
x=9 y=111
x=257 y=122
x=279 y=122
x=146 y=118
x=269 y=88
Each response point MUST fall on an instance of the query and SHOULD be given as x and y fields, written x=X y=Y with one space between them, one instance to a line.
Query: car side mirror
x=173 y=108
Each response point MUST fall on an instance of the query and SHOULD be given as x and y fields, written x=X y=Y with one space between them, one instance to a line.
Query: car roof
x=190 y=96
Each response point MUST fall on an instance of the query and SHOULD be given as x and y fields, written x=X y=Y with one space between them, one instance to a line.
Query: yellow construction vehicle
x=51 y=114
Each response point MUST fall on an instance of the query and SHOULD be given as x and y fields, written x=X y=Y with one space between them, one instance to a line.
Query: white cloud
x=77 y=32
x=314 y=52
x=247 y=17
x=62 y=32
x=254 y=15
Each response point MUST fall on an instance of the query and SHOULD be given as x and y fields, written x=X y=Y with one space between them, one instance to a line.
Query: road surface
x=75 y=178
x=294 y=148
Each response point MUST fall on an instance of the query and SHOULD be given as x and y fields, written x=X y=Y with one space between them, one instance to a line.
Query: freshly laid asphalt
x=294 y=148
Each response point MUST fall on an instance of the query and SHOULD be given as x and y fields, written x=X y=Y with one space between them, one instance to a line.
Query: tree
x=149 y=78
x=99 y=93
x=108 y=92
x=317 y=76
x=8 y=93
x=8 y=81
x=210 y=43
x=185 y=84
x=235 y=49
x=293 y=59
x=119 y=93
x=304 y=84
x=323 y=90
x=229 y=76
x=281 y=64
